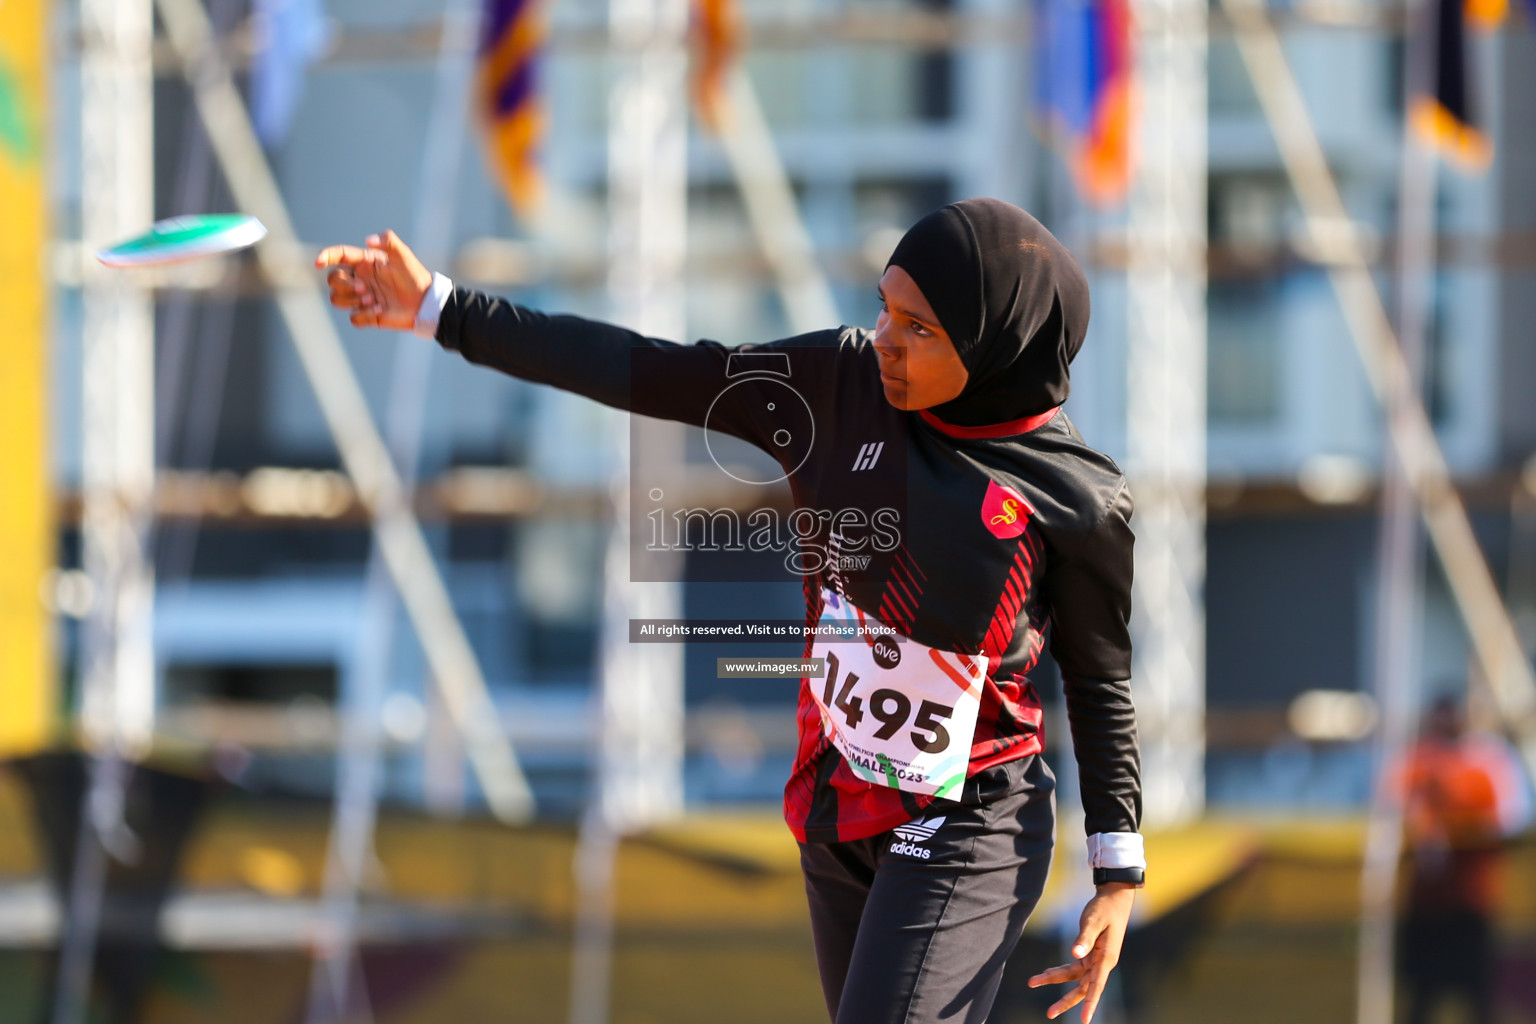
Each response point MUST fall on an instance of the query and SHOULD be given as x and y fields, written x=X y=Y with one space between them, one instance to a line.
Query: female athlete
x=919 y=796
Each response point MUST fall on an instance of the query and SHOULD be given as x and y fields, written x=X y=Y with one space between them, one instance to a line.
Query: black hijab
x=1013 y=299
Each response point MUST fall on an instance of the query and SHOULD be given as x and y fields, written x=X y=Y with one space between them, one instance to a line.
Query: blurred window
x=1392 y=85
x=482 y=597
x=1244 y=353
x=578 y=91
x=784 y=81
x=558 y=565
x=886 y=85
x=1247 y=212
x=507 y=445
x=936 y=75
x=1230 y=89
x=1246 y=225
x=718 y=227
x=897 y=86
x=1440 y=337
x=249 y=684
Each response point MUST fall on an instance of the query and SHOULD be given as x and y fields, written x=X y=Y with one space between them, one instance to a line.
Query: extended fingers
x=1068 y=1001
x=342 y=255
x=1093 y=986
x=1091 y=972
x=349 y=290
x=389 y=243
x=1057 y=975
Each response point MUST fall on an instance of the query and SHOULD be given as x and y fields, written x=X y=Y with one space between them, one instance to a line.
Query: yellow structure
x=26 y=537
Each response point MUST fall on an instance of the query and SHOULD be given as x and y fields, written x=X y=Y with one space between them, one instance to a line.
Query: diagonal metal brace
x=363 y=453
x=1507 y=673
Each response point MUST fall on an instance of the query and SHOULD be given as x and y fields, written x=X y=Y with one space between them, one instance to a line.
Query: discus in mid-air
x=184 y=239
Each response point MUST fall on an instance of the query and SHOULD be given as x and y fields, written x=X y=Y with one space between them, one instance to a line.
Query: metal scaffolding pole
x=1400 y=573
x=117 y=199
x=337 y=992
x=397 y=532
x=639 y=771
x=1506 y=672
x=1165 y=416
x=117 y=702
x=641 y=776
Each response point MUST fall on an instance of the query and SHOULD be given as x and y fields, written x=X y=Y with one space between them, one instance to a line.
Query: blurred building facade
x=882 y=110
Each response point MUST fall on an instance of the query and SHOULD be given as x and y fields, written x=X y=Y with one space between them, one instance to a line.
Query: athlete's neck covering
x=1014 y=301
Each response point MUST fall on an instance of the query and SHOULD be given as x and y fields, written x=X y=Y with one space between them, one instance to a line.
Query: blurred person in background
x=1463 y=796
x=1016 y=534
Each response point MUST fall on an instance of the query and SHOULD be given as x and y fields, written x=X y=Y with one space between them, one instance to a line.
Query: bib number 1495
x=892 y=708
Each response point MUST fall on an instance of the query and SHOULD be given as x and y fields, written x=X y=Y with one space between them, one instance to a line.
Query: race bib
x=901 y=714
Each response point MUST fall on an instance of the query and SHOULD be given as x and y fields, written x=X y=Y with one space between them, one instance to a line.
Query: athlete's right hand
x=382 y=283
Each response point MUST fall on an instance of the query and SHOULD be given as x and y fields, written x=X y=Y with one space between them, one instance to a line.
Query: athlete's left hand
x=1095 y=951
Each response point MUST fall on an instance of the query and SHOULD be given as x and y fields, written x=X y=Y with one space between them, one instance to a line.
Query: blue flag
x=1085 y=90
x=290 y=35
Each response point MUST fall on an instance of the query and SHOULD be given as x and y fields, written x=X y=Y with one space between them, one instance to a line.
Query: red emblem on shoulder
x=1004 y=511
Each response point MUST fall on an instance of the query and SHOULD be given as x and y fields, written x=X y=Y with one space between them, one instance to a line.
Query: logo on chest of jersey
x=1004 y=512
x=868 y=456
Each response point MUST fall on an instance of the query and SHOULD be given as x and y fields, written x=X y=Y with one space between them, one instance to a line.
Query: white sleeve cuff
x=431 y=308
x=1116 y=850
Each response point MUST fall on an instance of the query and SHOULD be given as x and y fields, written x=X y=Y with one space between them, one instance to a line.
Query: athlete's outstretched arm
x=385 y=285
x=618 y=367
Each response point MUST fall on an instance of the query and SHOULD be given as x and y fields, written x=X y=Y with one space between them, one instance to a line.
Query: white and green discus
x=180 y=239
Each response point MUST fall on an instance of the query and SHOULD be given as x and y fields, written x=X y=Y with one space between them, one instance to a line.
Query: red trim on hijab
x=1020 y=426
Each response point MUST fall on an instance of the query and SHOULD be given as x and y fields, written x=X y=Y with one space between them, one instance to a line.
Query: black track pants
x=913 y=926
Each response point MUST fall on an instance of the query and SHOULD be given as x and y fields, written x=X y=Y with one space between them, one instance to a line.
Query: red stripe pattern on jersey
x=826 y=802
x=898 y=605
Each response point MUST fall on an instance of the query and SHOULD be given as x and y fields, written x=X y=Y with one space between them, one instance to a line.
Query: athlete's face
x=919 y=366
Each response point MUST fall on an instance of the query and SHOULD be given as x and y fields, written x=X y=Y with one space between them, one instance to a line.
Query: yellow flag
x=27 y=695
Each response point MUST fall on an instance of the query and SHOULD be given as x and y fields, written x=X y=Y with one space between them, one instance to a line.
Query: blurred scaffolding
x=1244 y=402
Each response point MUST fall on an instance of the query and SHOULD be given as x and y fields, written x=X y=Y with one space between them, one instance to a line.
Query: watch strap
x=1134 y=876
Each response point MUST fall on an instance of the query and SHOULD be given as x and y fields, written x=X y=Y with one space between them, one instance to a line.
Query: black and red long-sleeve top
x=1006 y=538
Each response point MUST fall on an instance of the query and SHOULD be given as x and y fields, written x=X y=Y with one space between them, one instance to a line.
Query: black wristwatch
x=1135 y=876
